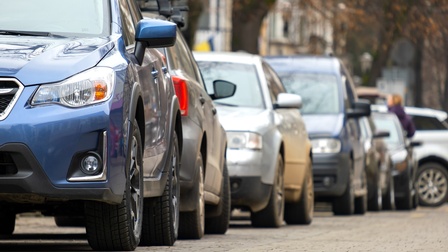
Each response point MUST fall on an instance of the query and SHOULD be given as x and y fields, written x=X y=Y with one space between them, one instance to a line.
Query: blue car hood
x=35 y=60
x=324 y=125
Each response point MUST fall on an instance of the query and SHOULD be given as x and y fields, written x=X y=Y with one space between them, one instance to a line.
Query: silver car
x=268 y=152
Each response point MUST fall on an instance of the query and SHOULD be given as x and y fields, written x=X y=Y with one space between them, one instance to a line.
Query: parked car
x=331 y=112
x=401 y=152
x=432 y=155
x=90 y=124
x=379 y=166
x=268 y=152
x=204 y=179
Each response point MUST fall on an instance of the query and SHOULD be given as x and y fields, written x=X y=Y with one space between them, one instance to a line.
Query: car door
x=152 y=86
x=293 y=131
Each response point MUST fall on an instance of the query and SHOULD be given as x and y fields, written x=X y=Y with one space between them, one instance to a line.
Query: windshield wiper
x=28 y=33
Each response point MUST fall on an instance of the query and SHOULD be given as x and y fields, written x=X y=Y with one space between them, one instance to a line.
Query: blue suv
x=90 y=124
x=331 y=112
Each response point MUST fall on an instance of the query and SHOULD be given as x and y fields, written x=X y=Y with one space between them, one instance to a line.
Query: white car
x=432 y=155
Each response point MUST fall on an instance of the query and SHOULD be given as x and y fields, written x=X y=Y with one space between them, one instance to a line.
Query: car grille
x=10 y=91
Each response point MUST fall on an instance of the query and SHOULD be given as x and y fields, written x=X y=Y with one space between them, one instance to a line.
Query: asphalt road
x=425 y=229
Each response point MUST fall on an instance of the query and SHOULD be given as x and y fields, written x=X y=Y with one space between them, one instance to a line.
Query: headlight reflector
x=244 y=140
x=326 y=145
x=86 y=88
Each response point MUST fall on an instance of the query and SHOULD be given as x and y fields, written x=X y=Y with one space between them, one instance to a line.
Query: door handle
x=214 y=111
x=202 y=100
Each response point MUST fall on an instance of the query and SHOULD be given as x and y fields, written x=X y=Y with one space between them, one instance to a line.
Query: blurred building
x=215 y=26
x=293 y=27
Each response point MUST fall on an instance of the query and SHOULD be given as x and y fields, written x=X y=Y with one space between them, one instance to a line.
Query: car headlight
x=86 y=88
x=326 y=145
x=244 y=140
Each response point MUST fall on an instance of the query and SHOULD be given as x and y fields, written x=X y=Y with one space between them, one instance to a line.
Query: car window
x=181 y=55
x=319 y=92
x=80 y=18
x=127 y=23
x=274 y=89
x=427 y=123
x=244 y=76
x=135 y=11
x=383 y=123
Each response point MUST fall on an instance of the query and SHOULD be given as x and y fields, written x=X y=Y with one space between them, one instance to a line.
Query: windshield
x=80 y=18
x=388 y=125
x=244 y=76
x=319 y=92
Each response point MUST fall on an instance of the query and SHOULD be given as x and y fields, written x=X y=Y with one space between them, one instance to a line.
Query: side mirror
x=381 y=134
x=360 y=109
x=153 y=33
x=286 y=100
x=223 y=89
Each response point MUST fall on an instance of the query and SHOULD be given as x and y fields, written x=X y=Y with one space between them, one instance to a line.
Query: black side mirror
x=360 y=109
x=223 y=89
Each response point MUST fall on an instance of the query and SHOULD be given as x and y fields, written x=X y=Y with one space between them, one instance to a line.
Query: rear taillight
x=180 y=86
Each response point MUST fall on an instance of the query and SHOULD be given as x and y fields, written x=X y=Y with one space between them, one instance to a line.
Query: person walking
x=394 y=104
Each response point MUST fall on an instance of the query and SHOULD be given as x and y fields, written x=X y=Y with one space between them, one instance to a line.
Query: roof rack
x=173 y=14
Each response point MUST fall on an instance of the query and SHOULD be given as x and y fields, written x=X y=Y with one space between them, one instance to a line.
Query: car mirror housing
x=153 y=33
x=359 y=109
x=223 y=89
x=285 y=100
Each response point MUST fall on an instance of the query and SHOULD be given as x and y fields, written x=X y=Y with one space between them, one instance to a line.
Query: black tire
x=405 y=202
x=375 y=202
x=302 y=211
x=389 y=196
x=345 y=204
x=220 y=223
x=192 y=224
x=272 y=215
x=7 y=223
x=432 y=185
x=118 y=227
x=70 y=221
x=161 y=214
x=361 y=202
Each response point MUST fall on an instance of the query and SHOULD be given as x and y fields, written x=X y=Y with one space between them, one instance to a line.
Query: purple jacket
x=405 y=120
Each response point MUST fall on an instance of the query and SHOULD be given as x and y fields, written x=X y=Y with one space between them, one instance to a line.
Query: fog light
x=91 y=164
x=327 y=181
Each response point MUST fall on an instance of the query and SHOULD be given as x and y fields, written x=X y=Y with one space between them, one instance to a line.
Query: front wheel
x=220 y=223
x=191 y=224
x=389 y=196
x=161 y=214
x=432 y=185
x=118 y=227
x=375 y=202
x=345 y=204
x=301 y=212
x=405 y=202
x=7 y=223
x=272 y=214
x=361 y=202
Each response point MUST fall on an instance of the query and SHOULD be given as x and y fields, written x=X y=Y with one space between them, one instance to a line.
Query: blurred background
x=398 y=46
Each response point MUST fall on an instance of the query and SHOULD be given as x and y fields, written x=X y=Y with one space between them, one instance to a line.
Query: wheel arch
x=433 y=159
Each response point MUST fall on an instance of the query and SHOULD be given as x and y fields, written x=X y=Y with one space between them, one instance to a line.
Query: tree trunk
x=247 y=17
x=418 y=88
x=443 y=98
x=195 y=8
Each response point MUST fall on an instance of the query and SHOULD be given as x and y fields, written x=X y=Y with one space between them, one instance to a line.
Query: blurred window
x=427 y=123
x=385 y=123
x=244 y=76
x=274 y=84
x=80 y=18
x=319 y=92
x=127 y=23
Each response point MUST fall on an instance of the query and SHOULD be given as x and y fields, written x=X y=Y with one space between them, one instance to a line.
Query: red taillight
x=180 y=86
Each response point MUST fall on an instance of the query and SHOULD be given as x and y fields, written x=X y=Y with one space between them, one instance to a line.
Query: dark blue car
x=331 y=112
x=90 y=125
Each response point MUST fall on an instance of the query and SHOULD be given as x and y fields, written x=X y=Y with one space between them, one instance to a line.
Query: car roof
x=233 y=57
x=305 y=64
x=441 y=115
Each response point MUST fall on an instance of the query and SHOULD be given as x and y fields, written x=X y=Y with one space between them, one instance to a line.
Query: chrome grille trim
x=8 y=91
